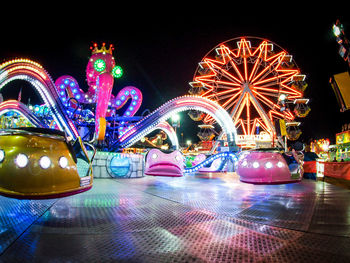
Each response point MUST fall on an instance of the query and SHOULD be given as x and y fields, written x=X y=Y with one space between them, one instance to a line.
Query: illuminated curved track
x=226 y=155
x=34 y=73
x=20 y=108
x=184 y=103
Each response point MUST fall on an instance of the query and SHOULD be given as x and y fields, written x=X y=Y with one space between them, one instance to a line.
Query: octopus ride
x=70 y=112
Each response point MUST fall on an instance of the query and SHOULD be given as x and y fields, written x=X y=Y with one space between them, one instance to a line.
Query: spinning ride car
x=267 y=167
x=159 y=163
x=39 y=163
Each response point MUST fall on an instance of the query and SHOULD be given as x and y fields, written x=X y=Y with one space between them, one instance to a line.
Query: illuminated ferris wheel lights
x=253 y=83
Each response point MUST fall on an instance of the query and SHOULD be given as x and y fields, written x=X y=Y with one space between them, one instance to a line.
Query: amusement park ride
x=257 y=82
x=243 y=83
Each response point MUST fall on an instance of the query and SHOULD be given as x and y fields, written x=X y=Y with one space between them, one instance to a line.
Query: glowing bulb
x=154 y=156
x=280 y=164
x=2 y=155
x=63 y=162
x=282 y=97
x=21 y=160
x=256 y=165
x=268 y=165
x=44 y=162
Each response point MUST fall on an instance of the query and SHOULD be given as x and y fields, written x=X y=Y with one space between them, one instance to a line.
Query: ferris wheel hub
x=246 y=86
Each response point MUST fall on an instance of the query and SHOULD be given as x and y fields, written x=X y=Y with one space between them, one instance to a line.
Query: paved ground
x=337 y=181
x=211 y=218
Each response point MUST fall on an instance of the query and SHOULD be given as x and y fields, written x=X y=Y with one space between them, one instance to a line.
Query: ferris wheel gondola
x=301 y=108
x=206 y=132
x=293 y=130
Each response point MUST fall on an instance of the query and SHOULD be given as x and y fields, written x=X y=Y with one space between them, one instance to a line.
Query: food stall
x=337 y=165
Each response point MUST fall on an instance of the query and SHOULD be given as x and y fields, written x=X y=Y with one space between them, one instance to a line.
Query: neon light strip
x=257 y=61
x=212 y=158
x=275 y=78
x=270 y=65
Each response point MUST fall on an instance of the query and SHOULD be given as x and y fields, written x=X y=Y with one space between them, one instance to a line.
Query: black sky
x=159 y=49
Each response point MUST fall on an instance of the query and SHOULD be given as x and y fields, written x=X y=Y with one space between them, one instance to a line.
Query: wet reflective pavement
x=210 y=218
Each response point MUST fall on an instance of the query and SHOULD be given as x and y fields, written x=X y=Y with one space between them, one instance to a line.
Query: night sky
x=159 y=50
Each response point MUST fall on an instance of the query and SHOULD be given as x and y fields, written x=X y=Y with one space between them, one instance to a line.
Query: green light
x=99 y=65
x=117 y=72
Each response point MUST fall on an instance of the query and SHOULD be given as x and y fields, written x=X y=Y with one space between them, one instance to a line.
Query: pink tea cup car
x=266 y=167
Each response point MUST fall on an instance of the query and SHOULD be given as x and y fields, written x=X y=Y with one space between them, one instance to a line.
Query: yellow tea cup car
x=39 y=163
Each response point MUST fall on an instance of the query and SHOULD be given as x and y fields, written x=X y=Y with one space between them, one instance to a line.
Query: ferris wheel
x=256 y=81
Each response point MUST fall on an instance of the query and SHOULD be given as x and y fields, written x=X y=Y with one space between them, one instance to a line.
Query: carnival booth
x=336 y=161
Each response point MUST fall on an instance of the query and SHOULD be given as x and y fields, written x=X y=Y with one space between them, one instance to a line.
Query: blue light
x=122 y=97
x=62 y=86
x=78 y=96
x=126 y=92
x=133 y=92
x=66 y=81
x=72 y=84
x=131 y=108
x=118 y=102
x=134 y=103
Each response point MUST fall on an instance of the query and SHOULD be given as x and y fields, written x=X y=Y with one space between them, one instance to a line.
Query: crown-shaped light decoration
x=103 y=49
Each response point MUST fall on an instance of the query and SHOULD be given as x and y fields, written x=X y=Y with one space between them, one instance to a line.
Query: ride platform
x=185 y=219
